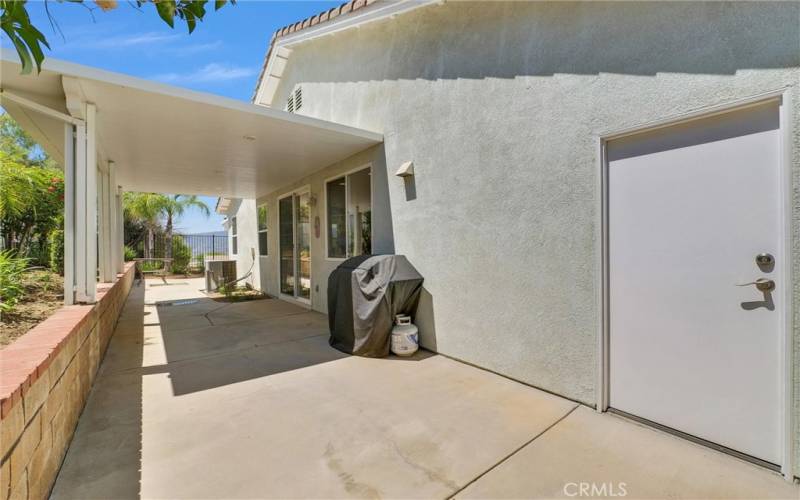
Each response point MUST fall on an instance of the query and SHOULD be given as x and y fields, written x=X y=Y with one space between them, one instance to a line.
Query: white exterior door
x=690 y=207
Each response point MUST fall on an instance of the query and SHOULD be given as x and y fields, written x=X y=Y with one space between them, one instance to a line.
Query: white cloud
x=213 y=72
x=121 y=41
x=187 y=50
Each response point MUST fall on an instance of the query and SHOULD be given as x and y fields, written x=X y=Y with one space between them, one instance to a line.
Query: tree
x=145 y=209
x=31 y=191
x=31 y=202
x=17 y=144
x=28 y=40
x=150 y=208
x=174 y=207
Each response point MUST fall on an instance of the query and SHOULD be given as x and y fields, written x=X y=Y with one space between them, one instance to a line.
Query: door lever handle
x=762 y=284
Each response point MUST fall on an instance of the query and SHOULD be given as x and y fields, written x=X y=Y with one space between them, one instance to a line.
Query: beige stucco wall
x=500 y=107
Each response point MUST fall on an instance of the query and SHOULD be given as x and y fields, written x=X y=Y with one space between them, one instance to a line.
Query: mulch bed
x=44 y=295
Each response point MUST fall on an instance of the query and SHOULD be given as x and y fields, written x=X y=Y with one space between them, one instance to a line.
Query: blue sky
x=223 y=56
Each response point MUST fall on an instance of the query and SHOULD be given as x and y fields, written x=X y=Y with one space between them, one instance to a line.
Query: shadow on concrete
x=209 y=344
x=105 y=456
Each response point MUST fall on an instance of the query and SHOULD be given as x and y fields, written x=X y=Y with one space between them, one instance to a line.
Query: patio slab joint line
x=514 y=452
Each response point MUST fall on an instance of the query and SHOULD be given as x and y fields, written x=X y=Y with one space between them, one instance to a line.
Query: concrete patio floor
x=202 y=399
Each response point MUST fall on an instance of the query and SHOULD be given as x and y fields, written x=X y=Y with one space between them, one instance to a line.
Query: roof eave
x=348 y=15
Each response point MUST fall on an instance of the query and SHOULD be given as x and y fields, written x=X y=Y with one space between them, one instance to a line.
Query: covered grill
x=364 y=295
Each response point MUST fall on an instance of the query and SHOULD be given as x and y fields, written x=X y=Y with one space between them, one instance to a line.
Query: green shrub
x=11 y=289
x=55 y=241
x=181 y=255
x=130 y=253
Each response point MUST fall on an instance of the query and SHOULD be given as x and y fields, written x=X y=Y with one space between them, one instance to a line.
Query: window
x=234 y=237
x=349 y=215
x=262 y=230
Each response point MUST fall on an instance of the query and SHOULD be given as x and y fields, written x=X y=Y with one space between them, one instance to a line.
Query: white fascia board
x=107 y=77
x=378 y=11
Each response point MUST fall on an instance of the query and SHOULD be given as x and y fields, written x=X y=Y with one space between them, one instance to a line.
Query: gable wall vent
x=290 y=103
x=298 y=98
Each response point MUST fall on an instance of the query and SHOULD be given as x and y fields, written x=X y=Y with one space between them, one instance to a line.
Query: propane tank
x=405 y=338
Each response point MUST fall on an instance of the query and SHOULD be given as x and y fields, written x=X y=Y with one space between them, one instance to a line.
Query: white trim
x=303 y=189
x=234 y=225
x=782 y=95
x=347 y=202
x=265 y=230
x=35 y=106
x=281 y=48
x=601 y=253
x=787 y=467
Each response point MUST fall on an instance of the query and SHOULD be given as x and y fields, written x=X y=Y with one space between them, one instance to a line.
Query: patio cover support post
x=69 y=213
x=120 y=241
x=107 y=223
x=85 y=200
x=102 y=224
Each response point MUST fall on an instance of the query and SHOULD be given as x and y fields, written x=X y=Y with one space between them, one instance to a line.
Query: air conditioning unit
x=219 y=272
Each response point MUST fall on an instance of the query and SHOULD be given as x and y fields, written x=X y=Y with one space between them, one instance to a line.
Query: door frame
x=602 y=251
x=306 y=188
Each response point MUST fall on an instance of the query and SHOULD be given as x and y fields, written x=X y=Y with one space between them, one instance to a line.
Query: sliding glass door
x=294 y=214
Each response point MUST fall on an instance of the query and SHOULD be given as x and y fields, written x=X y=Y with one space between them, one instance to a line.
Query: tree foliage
x=29 y=41
x=149 y=210
x=11 y=289
x=31 y=191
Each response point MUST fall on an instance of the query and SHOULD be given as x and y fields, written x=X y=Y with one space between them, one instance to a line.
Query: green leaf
x=218 y=4
x=166 y=9
x=190 y=22
x=22 y=52
x=33 y=38
x=26 y=39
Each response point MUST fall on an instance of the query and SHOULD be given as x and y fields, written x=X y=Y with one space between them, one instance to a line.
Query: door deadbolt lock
x=765 y=259
x=762 y=284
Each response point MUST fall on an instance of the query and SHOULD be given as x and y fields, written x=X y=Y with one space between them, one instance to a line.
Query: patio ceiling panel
x=167 y=139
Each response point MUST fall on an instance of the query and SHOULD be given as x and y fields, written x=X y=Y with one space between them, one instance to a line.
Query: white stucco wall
x=500 y=107
x=245 y=212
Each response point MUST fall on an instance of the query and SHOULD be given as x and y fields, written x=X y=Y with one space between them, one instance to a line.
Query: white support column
x=79 y=202
x=89 y=294
x=107 y=222
x=69 y=213
x=91 y=207
x=113 y=219
x=102 y=224
x=120 y=261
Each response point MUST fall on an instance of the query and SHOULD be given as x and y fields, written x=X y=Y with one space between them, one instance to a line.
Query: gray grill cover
x=364 y=295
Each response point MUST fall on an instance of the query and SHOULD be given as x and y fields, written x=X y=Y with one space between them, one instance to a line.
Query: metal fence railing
x=189 y=251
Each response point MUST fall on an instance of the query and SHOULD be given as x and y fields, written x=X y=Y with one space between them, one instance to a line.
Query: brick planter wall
x=45 y=378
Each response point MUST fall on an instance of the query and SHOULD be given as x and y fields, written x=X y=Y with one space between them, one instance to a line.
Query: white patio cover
x=167 y=139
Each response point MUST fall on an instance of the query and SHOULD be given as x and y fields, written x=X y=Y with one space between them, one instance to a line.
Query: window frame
x=234 y=236
x=345 y=174
x=265 y=230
